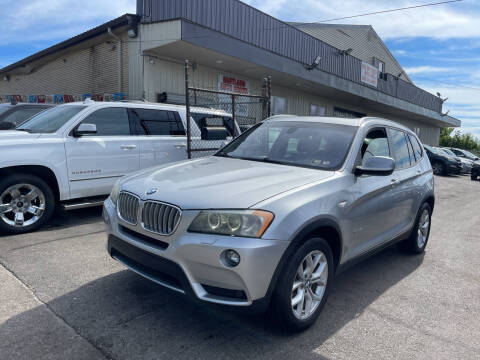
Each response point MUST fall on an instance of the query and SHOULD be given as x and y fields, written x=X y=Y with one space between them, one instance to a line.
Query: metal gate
x=215 y=117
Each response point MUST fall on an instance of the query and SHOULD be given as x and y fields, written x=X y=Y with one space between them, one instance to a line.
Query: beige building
x=316 y=69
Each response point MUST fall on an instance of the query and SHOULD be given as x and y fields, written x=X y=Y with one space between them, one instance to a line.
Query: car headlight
x=114 y=192
x=246 y=223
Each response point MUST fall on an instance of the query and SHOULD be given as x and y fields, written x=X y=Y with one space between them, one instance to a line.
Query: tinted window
x=52 y=119
x=159 y=122
x=400 y=149
x=417 y=149
x=375 y=144
x=315 y=145
x=22 y=114
x=4 y=108
x=206 y=120
x=410 y=151
x=110 y=122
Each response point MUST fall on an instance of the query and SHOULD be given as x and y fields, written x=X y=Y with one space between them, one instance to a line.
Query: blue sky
x=438 y=46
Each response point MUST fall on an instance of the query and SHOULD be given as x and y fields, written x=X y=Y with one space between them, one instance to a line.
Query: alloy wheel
x=22 y=205
x=423 y=228
x=309 y=284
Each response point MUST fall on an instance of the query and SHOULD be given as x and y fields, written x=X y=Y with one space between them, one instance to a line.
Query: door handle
x=180 y=146
x=395 y=181
x=128 y=147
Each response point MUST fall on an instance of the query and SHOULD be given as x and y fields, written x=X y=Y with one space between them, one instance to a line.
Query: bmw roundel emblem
x=151 y=191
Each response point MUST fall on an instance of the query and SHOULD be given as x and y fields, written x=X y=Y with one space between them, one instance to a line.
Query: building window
x=340 y=112
x=379 y=64
x=317 y=110
x=278 y=105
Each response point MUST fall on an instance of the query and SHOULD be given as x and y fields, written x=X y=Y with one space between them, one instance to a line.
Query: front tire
x=439 y=168
x=303 y=287
x=418 y=239
x=26 y=203
x=473 y=176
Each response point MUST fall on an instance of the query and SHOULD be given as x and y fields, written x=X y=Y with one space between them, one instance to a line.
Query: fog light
x=230 y=258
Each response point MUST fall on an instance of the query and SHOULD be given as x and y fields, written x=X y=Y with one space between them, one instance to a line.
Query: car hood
x=219 y=183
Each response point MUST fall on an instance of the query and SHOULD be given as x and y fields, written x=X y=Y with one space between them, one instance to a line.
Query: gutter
x=119 y=51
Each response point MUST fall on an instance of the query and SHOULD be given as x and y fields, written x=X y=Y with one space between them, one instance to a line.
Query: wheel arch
x=430 y=199
x=41 y=171
x=324 y=227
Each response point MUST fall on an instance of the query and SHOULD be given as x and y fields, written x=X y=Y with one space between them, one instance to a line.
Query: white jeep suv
x=72 y=154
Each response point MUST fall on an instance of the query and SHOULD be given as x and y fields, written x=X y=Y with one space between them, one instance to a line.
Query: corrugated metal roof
x=115 y=23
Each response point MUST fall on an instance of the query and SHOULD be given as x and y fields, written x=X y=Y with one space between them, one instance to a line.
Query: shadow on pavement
x=128 y=317
x=64 y=219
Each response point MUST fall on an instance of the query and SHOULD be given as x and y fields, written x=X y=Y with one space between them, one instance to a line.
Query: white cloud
x=425 y=69
x=442 y=21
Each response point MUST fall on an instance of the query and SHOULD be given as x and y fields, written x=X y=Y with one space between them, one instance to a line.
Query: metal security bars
x=215 y=117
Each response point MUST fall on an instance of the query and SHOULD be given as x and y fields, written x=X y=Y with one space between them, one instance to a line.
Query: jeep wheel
x=473 y=176
x=418 y=239
x=26 y=203
x=303 y=286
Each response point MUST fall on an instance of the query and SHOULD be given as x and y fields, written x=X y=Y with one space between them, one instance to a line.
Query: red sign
x=231 y=84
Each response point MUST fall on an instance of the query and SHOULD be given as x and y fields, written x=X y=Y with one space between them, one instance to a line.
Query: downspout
x=119 y=51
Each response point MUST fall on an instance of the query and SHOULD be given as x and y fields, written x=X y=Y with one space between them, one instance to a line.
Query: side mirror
x=214 y=133
x=85 y=129
x=376 y=165
x=6 y=125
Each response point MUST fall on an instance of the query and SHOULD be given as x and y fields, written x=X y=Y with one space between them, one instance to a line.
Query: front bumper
x=190 y=263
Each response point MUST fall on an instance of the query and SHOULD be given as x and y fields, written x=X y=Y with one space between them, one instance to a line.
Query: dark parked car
x=14 y=114
x=465 y=154
x=475 y=170
x=466 y=163
x=442 y=164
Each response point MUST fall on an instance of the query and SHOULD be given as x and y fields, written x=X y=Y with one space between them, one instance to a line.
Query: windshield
x=449 y=152
x=51 y=120
x=469 y=154
x=314 y=145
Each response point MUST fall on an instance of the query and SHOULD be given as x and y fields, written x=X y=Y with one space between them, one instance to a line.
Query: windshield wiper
x=222 y=154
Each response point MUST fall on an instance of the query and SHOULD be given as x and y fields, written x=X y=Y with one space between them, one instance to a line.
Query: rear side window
x=410 y=150
x=417 y=149
x=400 y=148
x=159 y=122
x=110 y=122
x=207 y=120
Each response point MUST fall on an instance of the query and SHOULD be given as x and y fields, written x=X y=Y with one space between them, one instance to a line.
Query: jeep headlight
x=114 y=192
x=246 y=223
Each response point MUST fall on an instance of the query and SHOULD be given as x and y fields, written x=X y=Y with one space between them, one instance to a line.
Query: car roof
x=26 y=104
x=357 y=122
x=147 y=105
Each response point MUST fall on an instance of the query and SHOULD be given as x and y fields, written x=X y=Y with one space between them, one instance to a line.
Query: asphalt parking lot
x=62 y=297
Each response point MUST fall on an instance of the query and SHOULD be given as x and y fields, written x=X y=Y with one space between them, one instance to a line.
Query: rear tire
x=301 y=293
x=26 y=203
x=420 y=234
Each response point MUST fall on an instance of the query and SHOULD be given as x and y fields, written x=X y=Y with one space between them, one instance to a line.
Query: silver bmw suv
x=274 y=216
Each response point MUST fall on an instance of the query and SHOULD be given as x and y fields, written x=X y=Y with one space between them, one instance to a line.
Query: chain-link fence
x=220 y=116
